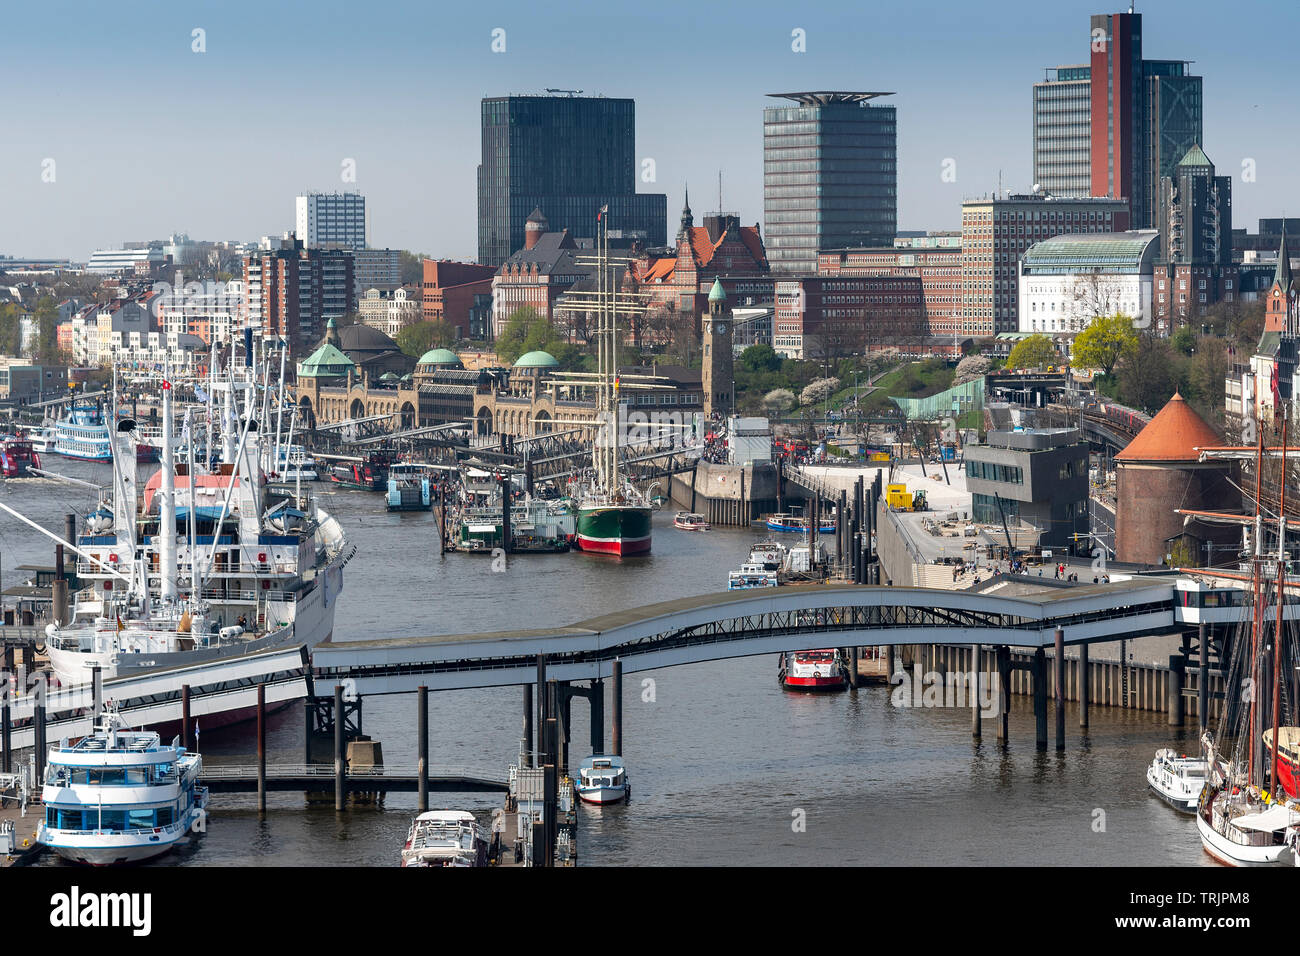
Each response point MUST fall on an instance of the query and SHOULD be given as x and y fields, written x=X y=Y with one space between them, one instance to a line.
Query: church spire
x=688 y=221
x=1282 y=274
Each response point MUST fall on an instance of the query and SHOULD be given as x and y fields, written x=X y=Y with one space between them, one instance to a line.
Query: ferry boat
x=119 y=796
x=771 y=555
x=445 y=838
x=369 y=474
x=817 y=670
x=752 y=575
x=689 y=521
x=409 y=488
x=83 y=434
x=17 y=456
x=796 y=523
x=602 y=779
x=43 y=439
x=1177 y=780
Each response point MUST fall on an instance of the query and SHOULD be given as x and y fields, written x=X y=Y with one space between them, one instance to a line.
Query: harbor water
x=725 y=767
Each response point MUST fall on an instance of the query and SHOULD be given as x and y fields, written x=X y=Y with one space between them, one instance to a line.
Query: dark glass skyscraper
x=565 y=155
x=830 y=176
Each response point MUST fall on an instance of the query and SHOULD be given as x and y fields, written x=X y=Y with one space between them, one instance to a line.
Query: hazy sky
x=148 y=137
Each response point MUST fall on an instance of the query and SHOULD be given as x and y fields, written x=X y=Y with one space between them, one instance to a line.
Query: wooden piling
x=976 y=730
x=528 y=725
x=1004 y=690
x=340 y=754
x=616 y=702
x=1040 y=698
x=185 y=716
x=261 y=748
x=597 y=701
x=1085 y=685
x=422 y=743
x=1059 y=667
x=1203 y=691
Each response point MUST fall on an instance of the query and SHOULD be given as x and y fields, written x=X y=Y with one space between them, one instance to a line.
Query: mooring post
x=976 y=728
x=185 y=712
x=616 y=700
x=308 y=705
x=340 y=754
x=542 y=701
x=528 y=725
x=853 y=666
x=422 y=742
x=1085 y=685
x=1040 y=697
x=597 y=716
x=1203 y=690
x=1174 y=690
x=566 y=735
x=261 y=748
x=6 y=730
x=1060 y=688
x=38 y=723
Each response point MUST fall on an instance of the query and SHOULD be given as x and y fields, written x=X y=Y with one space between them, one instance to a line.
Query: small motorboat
x=796 y=523
x=751 y=575
x=689 y=521
x=602 y=779
x=1177 y=780
x=445 y=838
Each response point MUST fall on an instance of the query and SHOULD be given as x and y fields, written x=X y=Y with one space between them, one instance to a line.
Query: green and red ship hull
x=614 y=529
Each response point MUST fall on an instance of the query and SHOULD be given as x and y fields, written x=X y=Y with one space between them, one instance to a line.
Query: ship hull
x=614 y=529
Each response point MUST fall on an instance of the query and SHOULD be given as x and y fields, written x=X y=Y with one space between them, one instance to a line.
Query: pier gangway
x=241 y=778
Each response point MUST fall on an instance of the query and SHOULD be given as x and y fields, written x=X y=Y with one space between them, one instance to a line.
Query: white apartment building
x=390 y=312
x=337 y=219
x=209 y=310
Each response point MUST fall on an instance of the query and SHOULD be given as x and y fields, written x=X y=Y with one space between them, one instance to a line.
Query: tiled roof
x=703 y=248
x=1173 y=435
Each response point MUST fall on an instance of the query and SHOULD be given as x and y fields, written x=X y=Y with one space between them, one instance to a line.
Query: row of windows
x=990 y=471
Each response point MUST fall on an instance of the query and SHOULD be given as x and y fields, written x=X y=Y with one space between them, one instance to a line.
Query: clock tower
x=718 y=373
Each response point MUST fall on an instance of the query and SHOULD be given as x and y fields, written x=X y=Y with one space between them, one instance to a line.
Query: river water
x=726 y=768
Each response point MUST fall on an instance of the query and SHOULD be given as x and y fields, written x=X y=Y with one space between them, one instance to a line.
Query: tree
x=526 y=331
x=411 y=266
x=818 y=391
x=971 y=368
x=1183 y=339
x=46 y=349
x=10 y=330
x=778 y=401
x=1146 y=378
x=1105 y=341
x=760 y=358
x=1093 y=296
x=1036 y=351
x=416 y=339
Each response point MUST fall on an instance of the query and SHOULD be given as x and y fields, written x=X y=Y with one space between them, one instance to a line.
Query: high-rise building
x=292 y=292
x=830 y=176
x=569 y=155
x=375 y=269
x=1195 y=267
x=1062 y=131
x=994 y=235
x=1145 y=115
x=331 y=219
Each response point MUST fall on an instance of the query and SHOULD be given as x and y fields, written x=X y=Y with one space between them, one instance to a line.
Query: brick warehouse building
x=935 y=260
x=824 y=317
x=1158 y=472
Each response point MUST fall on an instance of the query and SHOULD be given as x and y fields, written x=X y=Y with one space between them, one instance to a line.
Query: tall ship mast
x=1248 y=814
x=613 y=515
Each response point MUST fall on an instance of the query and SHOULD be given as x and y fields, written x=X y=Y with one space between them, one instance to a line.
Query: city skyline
x=405 y=112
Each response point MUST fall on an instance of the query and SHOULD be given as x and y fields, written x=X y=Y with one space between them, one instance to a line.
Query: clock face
x=721 y=328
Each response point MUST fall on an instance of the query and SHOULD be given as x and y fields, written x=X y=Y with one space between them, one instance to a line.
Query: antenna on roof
x=719 y=192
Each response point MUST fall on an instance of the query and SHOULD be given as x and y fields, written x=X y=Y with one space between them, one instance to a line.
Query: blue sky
x=149 y=137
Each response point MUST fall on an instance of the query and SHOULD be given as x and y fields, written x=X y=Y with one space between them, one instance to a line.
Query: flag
x=196 y=733
x=120 y=626
x=166 y=385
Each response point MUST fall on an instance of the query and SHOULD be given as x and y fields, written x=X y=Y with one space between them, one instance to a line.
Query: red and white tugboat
x=813 y=670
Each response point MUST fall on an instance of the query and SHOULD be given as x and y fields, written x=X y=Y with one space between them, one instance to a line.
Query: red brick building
x=721 y=249
x=448 y=290
x=831 y=317
x=938 y=266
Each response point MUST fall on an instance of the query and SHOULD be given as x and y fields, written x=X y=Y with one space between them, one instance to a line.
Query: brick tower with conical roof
x=1160 y=471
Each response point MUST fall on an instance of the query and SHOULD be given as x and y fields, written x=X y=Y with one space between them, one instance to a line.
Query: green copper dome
x=440 y=357
x=717 y=294
x=538 y=359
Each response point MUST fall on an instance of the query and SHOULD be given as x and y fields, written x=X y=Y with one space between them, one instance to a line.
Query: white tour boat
x=689 y=521
x=1178 y=780
x=445 y=838
x=602 y=779
x=119 y=795
x=751 y=576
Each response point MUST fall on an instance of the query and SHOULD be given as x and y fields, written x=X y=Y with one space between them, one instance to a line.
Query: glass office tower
x=1062 y=111
x=830 y=176
x=567 y=155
